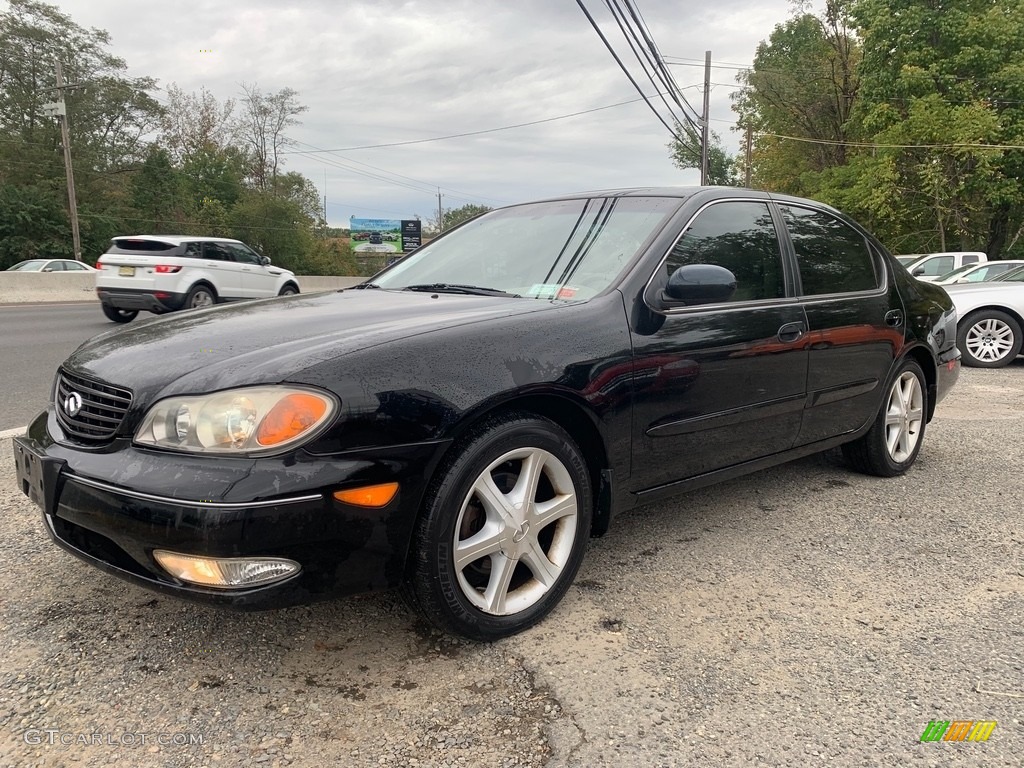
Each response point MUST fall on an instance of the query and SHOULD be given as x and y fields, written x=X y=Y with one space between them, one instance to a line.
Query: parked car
x=460 y=424
x=50 y=265
x=935 y=265
x=909 y=258
x=977 y=273
x=163 y=273
x=991 y=318
x=376 y=238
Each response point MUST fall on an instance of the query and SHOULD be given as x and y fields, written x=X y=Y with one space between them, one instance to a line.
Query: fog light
x=226 y=572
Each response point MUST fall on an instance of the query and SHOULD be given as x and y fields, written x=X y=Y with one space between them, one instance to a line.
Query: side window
x=243 y=255
x=193 y=250
x=940 y=265
x=970 y=259
x=216 y=251
x=833 y=257
x=56 y=266
x=740 y=237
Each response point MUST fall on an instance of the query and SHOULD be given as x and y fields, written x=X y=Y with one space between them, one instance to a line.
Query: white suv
x=162 y=273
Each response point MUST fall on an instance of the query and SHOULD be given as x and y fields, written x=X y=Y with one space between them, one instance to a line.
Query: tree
x=687 y=154
x=262 y=126
x=941 y=81
x=196 y=123
x=156 y=192
x=798 y=99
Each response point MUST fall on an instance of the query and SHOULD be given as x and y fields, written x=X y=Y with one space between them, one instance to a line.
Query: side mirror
x=918 y=272
x=264 y=260
x=701 y=284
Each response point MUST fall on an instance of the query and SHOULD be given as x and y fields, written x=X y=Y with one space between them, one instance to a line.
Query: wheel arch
x=206 y=283
x=572 y=416
x=928 y=362
x=1016 y=315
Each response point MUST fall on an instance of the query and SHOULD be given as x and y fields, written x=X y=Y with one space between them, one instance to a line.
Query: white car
x=163 y=273
x=50 y=265
x=990 y=318
x=977 y=273
x=934 y=265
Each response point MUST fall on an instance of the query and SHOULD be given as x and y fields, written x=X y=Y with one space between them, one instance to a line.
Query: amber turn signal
x=369 y=495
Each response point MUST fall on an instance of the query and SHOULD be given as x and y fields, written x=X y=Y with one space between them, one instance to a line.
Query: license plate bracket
x=38 y=475
x=126 y=271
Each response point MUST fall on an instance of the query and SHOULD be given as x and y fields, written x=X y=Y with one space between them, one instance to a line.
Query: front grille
x=102 y=410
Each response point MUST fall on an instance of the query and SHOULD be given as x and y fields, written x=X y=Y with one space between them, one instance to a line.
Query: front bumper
x=141 y=299
x=112 y=507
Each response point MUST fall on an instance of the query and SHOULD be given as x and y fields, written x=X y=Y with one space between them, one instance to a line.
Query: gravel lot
x=801 y=616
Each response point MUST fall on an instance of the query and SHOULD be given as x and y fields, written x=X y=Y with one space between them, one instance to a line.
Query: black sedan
x=460 y=425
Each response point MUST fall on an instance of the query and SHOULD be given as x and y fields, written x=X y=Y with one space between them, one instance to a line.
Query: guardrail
x=40 y=287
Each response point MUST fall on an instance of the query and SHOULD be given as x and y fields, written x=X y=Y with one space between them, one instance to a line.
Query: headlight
x=237 y=421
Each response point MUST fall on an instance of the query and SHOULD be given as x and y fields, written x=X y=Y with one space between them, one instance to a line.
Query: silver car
x=991 y=315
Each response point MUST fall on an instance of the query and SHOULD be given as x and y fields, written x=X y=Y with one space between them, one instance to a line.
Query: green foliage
x=31 y=224
x=722 y=170
x=455 y=216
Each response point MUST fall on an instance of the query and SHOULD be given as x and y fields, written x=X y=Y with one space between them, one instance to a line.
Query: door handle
x=791 y=331
x=894 y=318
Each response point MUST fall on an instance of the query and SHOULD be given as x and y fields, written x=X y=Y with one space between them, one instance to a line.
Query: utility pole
x=65 y=136
x=440 y=213
x=706 y=121
x=750 y=154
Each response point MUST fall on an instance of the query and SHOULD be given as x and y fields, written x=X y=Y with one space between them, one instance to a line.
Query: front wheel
x=119 y=315
x=503 y=529
x=891 y=445
x=989 y=339
x=288 y=289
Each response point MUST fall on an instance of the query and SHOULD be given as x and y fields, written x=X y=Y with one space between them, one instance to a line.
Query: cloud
x=391 y=71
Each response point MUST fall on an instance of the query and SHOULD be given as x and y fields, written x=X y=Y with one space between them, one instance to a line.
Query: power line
x=872 y=145
x=478 y=133
x=625 y=71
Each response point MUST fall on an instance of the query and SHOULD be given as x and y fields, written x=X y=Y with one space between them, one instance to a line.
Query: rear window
x=129 y=245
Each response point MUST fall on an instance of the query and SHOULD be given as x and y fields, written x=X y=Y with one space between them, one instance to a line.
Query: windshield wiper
x=474 y=290
x=364 y=286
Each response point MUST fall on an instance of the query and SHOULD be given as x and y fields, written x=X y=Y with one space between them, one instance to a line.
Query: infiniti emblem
x=73 y=404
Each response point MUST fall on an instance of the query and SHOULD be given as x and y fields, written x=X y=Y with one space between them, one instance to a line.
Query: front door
x=718 y=385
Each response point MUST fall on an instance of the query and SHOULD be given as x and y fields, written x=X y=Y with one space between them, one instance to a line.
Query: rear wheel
x=891 y=445
x=200 y=296
x=119 y=315
x=989 y=339
x=503 y=530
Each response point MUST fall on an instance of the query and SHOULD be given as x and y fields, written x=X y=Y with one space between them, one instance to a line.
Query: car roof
x=176 y=239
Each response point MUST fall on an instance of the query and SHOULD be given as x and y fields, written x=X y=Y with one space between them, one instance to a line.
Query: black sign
x=410 y=235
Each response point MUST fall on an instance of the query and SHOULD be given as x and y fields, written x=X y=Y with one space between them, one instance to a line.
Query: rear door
x=855 y=321
x=219 y=262
x=719 y=384
x=257 y=282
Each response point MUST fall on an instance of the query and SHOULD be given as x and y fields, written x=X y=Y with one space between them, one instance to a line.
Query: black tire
x=982 y=339
x=456 y=599
x=871 y=453
x=288 y=289
x=199 y=296
x=119 y=315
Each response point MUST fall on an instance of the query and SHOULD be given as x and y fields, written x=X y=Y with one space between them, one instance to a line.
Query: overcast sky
x=391 y=71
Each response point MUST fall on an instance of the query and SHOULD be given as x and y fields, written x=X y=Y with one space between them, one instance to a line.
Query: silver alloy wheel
x=201 y=299
x=904 y=417
x=989 y=340
x=512 y=546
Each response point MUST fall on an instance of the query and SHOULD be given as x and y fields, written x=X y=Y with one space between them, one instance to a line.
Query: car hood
x=268 y=341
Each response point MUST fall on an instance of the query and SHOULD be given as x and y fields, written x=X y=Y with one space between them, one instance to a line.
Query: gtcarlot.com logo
x=958 y=730
x=55 y=736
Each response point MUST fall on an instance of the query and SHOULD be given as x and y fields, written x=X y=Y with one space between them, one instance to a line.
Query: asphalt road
x=34 y=340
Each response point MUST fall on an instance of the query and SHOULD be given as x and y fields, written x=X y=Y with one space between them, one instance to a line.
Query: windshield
x=567 y=249
x=28 y=266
